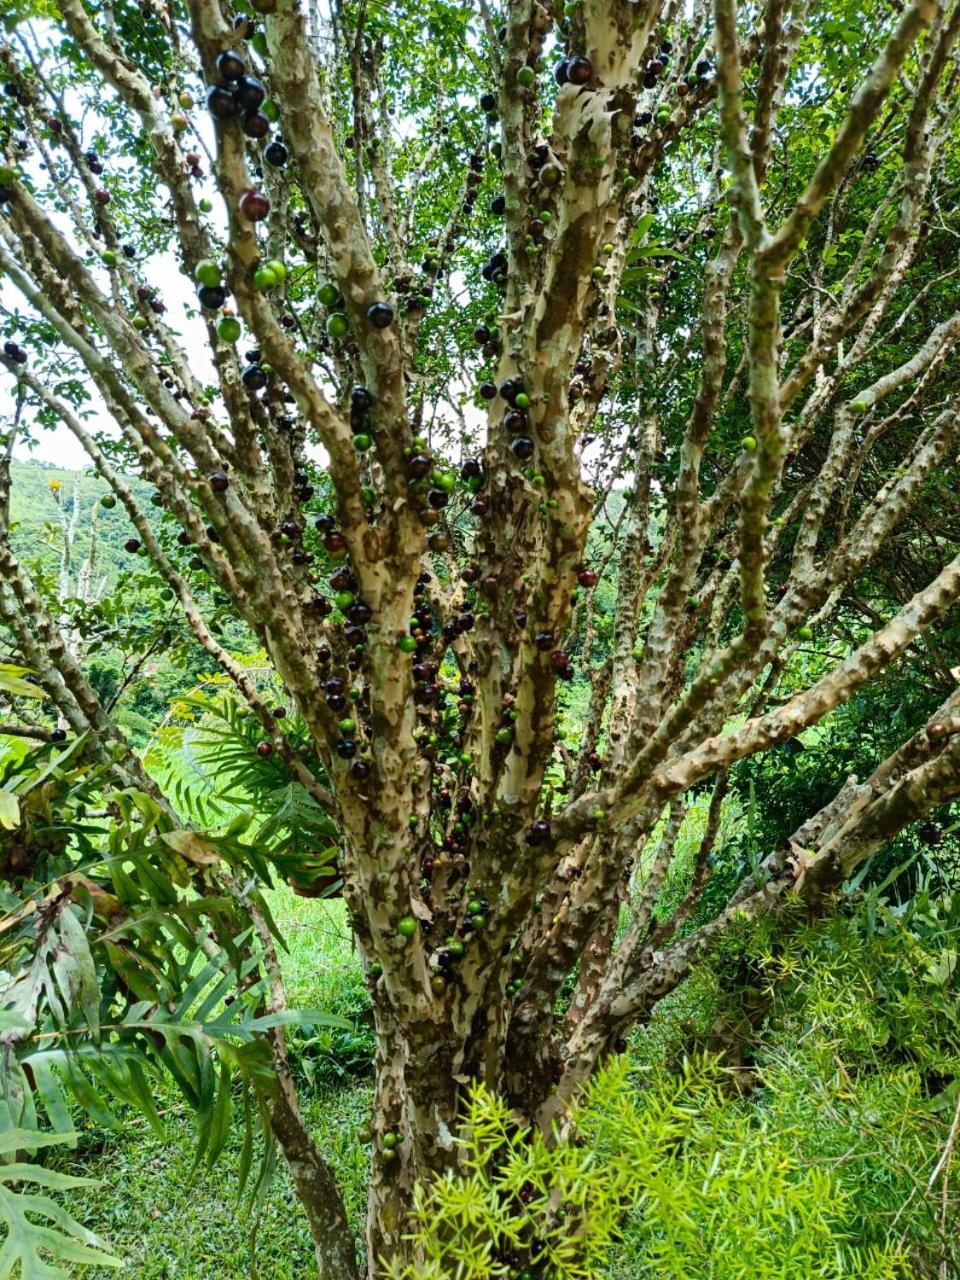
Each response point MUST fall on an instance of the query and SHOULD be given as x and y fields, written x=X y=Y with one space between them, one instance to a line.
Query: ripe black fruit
x=250 y=92
x=276 y=154
x=219 y=481
x=488 y=102
x=539 y=832
x=254 y=379
x=580 y=70
x=420 y=465
x=221 y=103
x=256 y=124
x=212 y=296
x=523 y=448
x=380 y=315
x=230 y=65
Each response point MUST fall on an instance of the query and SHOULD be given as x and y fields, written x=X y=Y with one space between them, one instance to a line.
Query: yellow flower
x=55 y=485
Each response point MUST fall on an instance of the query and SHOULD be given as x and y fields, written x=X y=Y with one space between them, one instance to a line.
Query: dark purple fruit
x=230 y=65
x=132 y=545
x=539 y=832
x=580 y=70
x=276 y=154
x=254 y=379
x=254 y=205
x=380 y=315
x=523 y=447
x=250 y=92
x=212 y=296
x=219 y=481
x=221 y=103
x=256 y=124
x=488 y=102
x=420 y=465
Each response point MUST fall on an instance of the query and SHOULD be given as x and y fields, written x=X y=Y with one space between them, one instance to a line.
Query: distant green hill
x=37 y=517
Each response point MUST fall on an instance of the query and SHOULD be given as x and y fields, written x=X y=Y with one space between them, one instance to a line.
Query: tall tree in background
x=606 y=348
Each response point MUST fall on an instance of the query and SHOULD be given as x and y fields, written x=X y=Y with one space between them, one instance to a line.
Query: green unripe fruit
x=475 y=907
x=406 y=926
x=278 y=269
x=229 y=329
x=391 y=1141
x=185 y=100
x=420 y=443
x=108 y=501
x=7 y=175
x=208 y=273
x=343 y=599
x=526 y=77
x=597 y=273
x=444 y=480
x=348 y=727
x=545 y=215
x=108 y=258
x=206 y=205
x=264 y=278
x=369 y=495
x=407 y=644
x=328 y=294
x=749 y=443
x=479 y=921
x=607 y=249
x=504 y=736
x=456 y=948
x=179 y=122
x=338 y=326
x=522 y=400
x=362 y=442
x=804 y=633
x=140 y=323
x=860 y=406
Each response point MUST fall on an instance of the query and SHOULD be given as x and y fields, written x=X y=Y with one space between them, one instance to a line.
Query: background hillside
x=37 y=517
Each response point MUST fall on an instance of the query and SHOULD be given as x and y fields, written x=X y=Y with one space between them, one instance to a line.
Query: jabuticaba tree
x=609 y=345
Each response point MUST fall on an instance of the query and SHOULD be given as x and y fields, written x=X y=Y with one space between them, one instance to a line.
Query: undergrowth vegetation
x=795 y=1129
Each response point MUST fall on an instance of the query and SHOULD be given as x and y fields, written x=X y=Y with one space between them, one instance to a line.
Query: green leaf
x=9 y=810
x=12 y=682
x=12 y=1140
x=84 y=974
x=27 y=1242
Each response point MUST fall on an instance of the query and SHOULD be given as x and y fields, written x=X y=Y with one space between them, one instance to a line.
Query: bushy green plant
x=661 y=1178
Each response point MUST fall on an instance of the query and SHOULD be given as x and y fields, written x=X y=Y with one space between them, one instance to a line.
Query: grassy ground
x=170 y=1221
